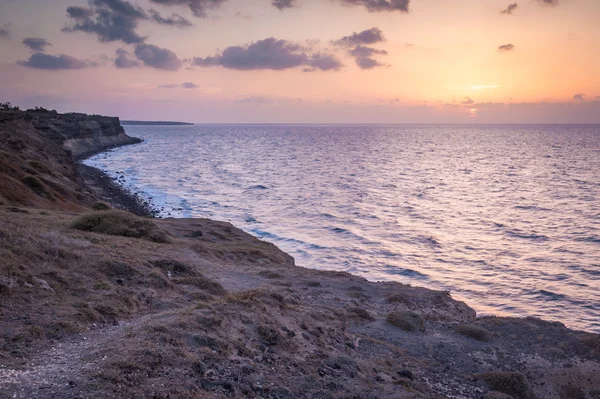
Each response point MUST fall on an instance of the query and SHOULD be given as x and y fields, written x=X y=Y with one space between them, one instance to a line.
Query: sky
x=305 y=61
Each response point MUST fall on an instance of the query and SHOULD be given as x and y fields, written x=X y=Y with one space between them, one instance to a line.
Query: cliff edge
x=39 y=150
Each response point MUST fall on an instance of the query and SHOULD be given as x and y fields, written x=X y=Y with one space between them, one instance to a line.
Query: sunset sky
x=306 y=61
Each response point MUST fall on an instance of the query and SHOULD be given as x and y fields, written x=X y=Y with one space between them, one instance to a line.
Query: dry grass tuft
x=100 y=206
x=474 y=332
x=203 y=283
x=119 y=223
x=360 y=313
x=406 y=320
x=508 y=382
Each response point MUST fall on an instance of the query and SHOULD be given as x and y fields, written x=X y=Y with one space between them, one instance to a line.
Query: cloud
x=364 y=57
x=548 y=2
x=324 y=62
x=269 y=53
x=506 y=47
x=509 y=9
x=189 y=85
x=283 y=4
x=36 y=44
x=117 y=20
x=123 y=61
x=597 y=97
x=79 y=12
x=364 y=51
x=4 y=32
x=198 y=7
x=157 y=57
x=186 y=85
x=381 y=5
x=110 y=20
x=53 y=62
x=367 y=63
x=579 y=97
x=468 y=101
x=174 y=20
x=369 y=36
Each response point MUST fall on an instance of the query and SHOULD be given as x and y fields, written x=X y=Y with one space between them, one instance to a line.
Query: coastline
x=109 y=190
x=209 y=311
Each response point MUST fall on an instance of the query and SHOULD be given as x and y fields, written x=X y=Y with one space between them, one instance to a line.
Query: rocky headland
x=96 y=302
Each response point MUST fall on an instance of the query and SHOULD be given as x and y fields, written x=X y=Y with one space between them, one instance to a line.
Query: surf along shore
x=97 y=302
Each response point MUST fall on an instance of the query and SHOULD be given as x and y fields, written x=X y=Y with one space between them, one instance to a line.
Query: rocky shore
x=98 y=303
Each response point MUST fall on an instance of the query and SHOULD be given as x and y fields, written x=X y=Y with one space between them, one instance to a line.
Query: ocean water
x=505 y=217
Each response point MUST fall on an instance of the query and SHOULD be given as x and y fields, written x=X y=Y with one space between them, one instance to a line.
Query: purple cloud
x=53 y=62
x=123 y=60
x=157 y=57
x=36 y=44
x=381 y=5
x=269 y=53
x=369 y=36
x=509 y=9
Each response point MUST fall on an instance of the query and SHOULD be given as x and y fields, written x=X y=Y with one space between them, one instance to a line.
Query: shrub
x=37 y=186
x=268 y=334
x=100 y=206
x=508 y=382
x=360 y=313
x=269 y=274
x=406 y=320
x=119 y=223
x=203 y=283
x=40 y=167
x=478 y=333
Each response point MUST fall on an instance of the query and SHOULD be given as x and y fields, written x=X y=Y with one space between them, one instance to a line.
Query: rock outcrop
x=80 y=134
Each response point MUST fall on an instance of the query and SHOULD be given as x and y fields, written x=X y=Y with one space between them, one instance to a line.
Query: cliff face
x=80 y=134
x=38 y=153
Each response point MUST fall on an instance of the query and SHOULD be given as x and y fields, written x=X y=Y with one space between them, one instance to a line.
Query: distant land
x=155 y=123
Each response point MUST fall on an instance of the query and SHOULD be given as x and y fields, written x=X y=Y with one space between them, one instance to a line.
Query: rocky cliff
x=80 y=134
x=38 y=154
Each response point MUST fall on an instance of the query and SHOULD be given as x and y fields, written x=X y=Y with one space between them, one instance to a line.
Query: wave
x=593 y=239
x=258 y=187
x=532 y=236
x=395 y=270
x=549 y=295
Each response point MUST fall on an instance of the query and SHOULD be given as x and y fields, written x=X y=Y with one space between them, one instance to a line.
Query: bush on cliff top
x=119 y=223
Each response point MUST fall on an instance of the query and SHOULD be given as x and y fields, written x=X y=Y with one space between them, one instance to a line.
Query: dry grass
x=120 y=223
x=474 y=332
x=406 y=320
x=100 y=206
x=510 y=383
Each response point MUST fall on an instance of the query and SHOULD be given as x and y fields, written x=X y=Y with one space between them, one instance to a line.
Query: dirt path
x=64 y=366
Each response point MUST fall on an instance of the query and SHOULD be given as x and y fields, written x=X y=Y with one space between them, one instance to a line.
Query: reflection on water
x=505 y=217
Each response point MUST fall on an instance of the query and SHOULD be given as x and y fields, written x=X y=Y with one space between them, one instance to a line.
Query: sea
x=505 y=217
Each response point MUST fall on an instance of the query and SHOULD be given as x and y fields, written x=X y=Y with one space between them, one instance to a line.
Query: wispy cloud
x=506 y=47
x=36 y=44
x=509 y=9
